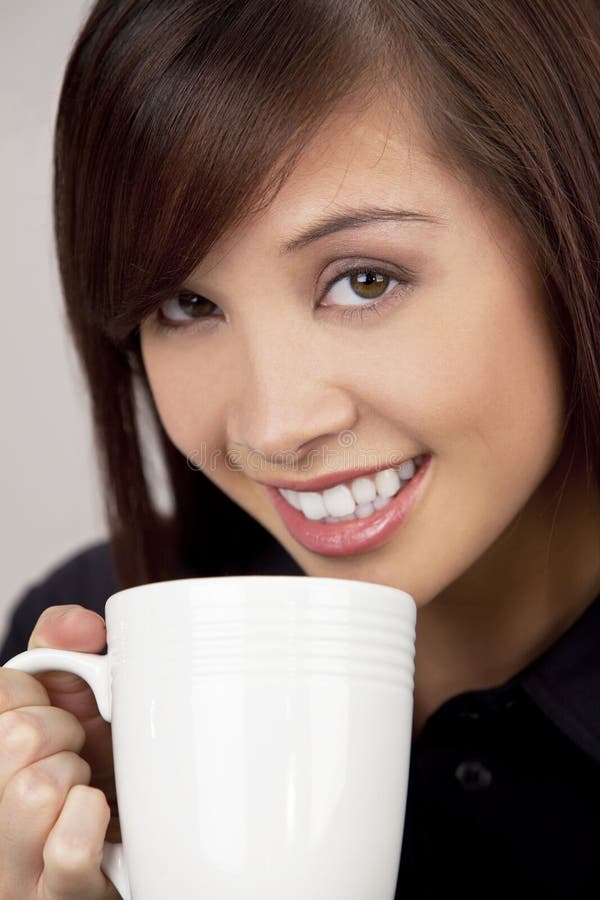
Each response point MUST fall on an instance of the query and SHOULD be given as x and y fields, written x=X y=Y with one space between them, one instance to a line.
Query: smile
x=353 y=516
x=355 y=499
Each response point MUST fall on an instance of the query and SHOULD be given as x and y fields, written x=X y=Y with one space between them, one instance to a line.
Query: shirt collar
x=564 y=682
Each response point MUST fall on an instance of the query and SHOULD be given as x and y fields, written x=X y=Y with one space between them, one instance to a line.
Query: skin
x=56 y=772
x=462 y=365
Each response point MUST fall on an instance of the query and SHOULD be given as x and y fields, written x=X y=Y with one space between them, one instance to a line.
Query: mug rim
x=354 y=583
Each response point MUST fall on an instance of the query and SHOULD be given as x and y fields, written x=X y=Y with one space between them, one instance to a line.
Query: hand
x=57 y=789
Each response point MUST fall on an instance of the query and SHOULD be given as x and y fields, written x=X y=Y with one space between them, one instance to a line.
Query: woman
x=349 y=254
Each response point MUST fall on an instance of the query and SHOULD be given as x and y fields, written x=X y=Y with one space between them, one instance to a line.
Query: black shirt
x=504 y=787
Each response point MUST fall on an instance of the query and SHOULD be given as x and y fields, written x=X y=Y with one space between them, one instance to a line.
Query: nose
x=290 y=400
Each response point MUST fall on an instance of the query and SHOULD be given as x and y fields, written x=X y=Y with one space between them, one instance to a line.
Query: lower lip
x=358 y=535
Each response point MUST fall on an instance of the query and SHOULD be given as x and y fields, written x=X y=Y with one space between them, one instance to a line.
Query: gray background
x=51 y=505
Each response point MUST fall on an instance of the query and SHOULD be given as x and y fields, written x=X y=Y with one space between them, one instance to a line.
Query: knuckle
x=20 y=689
x=33 y=788
x=45 y=783
x=21 y=733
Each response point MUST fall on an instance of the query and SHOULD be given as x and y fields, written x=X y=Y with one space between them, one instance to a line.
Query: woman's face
x=272 y=375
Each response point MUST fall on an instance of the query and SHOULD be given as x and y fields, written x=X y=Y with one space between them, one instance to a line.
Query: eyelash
x=405 y=279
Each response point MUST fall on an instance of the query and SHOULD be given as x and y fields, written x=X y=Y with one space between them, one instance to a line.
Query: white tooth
x=312 y=505
x=339 y=500
x=380 y=502
x=406 y=470
x=364 y=509
x=363 y=490
x=292 y=497
x=387 y=483
x=348 y=518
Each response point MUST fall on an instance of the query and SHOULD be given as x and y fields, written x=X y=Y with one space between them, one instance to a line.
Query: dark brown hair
x=178 y=118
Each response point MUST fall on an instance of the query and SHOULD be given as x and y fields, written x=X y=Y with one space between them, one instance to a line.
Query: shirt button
x=472 y=775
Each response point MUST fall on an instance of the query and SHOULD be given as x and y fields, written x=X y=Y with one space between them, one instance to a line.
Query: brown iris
x=368 y=284
x=195 y=305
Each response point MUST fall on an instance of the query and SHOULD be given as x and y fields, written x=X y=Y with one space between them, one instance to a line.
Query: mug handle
x=93 y=668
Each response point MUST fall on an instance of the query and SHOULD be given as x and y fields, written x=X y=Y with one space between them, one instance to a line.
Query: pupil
x=370 y=284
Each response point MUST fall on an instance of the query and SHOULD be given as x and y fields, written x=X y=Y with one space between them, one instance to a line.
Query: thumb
x=69 y=627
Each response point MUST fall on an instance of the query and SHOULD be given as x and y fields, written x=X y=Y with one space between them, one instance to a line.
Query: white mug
x=261 y=729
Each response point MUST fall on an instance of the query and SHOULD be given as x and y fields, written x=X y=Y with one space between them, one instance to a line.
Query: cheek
x=506 y=384
x=191 y=414
x=476 y=378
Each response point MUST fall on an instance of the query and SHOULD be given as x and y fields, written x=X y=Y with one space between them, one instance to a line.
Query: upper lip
x=330 y=480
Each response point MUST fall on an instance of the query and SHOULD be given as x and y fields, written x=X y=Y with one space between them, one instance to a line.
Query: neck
x=517 y=599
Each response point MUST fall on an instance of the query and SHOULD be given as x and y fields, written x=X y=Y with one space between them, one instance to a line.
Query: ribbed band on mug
x=312 y=637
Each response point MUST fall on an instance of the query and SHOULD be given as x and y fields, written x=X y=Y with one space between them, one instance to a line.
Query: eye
x=189 y=306
x=358 y=285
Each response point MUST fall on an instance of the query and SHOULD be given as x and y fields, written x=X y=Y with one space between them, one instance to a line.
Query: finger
x=20 y=689
x=73 y=851
x=30 y=807
x=69 y=627
x=32 y=733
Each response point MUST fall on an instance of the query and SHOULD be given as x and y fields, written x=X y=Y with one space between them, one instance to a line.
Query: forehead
x=366 y=153
x=359 y=143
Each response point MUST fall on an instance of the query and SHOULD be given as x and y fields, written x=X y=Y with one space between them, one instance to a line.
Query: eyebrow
x=355 y=218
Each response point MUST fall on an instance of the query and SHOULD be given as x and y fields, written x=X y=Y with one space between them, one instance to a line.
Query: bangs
x=183 y=118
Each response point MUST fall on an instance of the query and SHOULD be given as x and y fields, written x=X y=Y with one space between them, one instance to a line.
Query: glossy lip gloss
x=347 y=538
